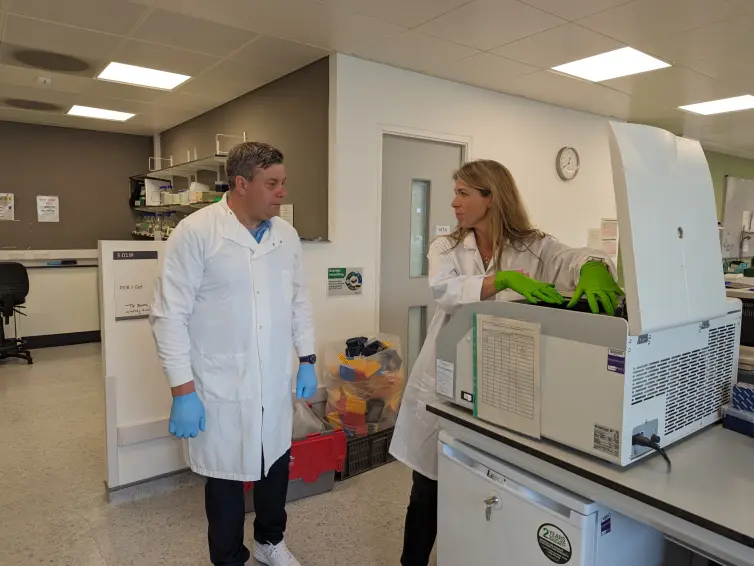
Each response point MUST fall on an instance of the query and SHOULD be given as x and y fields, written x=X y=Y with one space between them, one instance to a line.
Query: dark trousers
x=224 y=503
x=421 y=522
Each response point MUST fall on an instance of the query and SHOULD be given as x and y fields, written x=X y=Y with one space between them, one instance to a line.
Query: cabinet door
x=516 y=532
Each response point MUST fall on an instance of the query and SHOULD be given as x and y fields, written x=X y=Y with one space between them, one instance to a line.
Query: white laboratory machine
x=490 y=512
x=602 y=384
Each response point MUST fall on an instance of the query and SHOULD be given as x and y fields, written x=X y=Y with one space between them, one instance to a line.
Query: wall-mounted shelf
x=180 y=208
x=188 y=169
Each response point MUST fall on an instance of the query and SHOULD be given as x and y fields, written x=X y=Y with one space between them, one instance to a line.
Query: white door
x=496 y=523
x=417 y=189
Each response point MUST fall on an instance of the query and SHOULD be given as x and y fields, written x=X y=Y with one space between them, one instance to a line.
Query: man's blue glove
x=306 y=382
x=186 y=416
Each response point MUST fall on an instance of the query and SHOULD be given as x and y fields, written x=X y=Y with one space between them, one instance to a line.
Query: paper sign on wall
x=344 y=281
x=286 y=213
x=48 y=209
x=134 y=275
x=443 y=230
x=7 y=209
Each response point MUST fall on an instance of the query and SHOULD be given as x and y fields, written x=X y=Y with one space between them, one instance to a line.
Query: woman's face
x=470 y=205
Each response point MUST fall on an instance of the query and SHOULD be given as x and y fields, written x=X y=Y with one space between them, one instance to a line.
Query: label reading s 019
x=554 y=544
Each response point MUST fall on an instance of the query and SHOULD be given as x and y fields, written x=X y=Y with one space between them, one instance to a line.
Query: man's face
x=263 y=195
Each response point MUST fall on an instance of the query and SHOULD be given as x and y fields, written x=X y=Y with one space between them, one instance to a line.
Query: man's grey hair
x=244 y=159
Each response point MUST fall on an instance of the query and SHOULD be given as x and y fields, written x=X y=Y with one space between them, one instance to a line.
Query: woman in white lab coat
x=494 y=253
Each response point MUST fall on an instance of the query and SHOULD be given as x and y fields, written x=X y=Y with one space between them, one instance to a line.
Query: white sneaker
x=274 y=555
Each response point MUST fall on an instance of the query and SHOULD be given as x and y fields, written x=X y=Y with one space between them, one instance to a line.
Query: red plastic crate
x=314 y=455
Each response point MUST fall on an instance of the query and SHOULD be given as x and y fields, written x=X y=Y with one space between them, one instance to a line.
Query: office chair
x=14 y=286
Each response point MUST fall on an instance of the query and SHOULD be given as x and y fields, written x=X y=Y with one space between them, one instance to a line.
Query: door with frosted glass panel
x=417 y=190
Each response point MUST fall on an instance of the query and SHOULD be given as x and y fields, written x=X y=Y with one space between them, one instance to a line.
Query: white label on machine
x=444 y=378
x=607 y=440
x=508 y=373
x=554 y=544
x=134 y=277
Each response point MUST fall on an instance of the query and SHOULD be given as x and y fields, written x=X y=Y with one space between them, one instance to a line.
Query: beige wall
x=290 y=113
x=88 y=170
x=722 y=165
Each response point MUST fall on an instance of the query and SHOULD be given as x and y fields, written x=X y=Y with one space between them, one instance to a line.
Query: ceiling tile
x=25 y=76
x=235 y=13
x=486 y=24
x=229 y=79
x=192 y=34
x=559 y=45
x=128 y=92
x=111 y=16
x=640 y=21
x=407 y=14
x=322 y=25
x=715 y=42
x=413 y=50
x=672 y=86
x=164 y=58
x=574 y=9
x=279 y=53
x=65 y=99
x=485 y=70
x=734 y=71
x=59 y=38
x=560 y=90
x=9 y=52
x=746 y=5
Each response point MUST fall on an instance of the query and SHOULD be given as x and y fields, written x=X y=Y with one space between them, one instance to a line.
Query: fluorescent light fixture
x=89 y=112
x=613 y=64
x=141 y=76
x=745 y=102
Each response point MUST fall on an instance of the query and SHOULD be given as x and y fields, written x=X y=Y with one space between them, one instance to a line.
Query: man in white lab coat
x=230 y=305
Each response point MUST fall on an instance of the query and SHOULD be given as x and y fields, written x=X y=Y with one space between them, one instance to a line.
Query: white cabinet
x=491 y=513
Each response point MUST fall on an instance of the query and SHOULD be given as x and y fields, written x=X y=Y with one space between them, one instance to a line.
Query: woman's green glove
x=533 y=290
x=598 y=285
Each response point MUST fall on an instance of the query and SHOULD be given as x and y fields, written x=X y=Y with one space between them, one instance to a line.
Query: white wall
x=368 y=97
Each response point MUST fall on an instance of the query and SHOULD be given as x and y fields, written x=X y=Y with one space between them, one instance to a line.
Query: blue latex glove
x=306 y=382
x=187 y=416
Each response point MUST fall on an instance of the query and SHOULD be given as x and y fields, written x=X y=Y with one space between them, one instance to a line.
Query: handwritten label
x=135 y=274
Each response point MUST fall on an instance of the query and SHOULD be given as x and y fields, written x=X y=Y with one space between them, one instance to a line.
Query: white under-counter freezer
x=492 y=513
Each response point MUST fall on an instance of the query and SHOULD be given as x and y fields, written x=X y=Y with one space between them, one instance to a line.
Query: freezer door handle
x=490 y=502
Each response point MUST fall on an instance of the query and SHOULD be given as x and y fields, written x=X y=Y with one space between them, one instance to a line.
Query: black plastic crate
x=366 y=453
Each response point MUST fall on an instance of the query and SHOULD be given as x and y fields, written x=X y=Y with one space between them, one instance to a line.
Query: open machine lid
x=670 y=248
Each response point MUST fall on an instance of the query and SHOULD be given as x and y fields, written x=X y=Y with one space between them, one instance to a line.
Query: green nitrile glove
x=599 y=287
x=533 y=290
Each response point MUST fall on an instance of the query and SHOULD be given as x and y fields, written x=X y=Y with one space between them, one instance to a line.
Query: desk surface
x=711 y=484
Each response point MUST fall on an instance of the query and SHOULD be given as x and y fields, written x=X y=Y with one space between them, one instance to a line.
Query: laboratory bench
x=705 y=502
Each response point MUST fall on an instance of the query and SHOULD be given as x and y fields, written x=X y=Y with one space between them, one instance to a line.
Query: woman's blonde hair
x=509 y=220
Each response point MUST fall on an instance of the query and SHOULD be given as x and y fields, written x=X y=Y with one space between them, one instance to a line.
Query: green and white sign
x=344 y=281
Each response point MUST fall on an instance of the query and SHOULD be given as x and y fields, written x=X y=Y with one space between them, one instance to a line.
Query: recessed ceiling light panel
x=745 y=102
x=100 y=113
x=611 y=65
x=142 y=76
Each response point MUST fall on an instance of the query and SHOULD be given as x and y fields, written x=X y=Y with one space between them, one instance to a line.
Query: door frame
x=464 y=142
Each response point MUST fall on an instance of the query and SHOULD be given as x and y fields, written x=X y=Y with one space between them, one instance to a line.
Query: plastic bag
x=305 y=422
x=364 y=391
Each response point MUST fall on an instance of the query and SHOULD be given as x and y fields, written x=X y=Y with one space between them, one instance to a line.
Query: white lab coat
x=455 y=277
x=226 y=314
